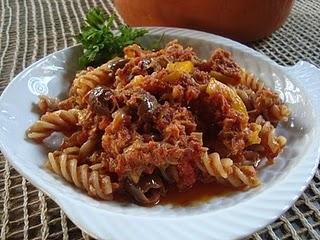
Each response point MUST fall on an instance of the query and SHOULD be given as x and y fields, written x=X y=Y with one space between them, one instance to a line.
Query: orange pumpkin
x=243 y=20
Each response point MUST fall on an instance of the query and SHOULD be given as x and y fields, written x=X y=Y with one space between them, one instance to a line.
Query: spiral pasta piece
x=249 y=80
x=247 y=95
x=89 y=80
x=279 y=112
x=217 y=167
x=60 y=121
x=269 y=104
x=270 y=140
x=47 y=104
x=225 y=171
x=243 y=176
x=95 y=183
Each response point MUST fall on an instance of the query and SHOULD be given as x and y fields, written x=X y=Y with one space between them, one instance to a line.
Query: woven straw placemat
x=31 y=29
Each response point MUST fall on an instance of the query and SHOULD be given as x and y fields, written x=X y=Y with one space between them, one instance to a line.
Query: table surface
x=31 y=29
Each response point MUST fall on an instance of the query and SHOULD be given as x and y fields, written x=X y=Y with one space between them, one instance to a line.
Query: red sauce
x=199 y=193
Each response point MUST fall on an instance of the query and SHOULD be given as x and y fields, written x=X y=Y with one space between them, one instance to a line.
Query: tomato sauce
x=199 y=193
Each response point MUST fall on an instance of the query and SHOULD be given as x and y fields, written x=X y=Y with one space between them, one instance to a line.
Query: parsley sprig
x=100 y=42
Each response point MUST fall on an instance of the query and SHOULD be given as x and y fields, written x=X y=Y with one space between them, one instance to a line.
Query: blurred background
x=242 y=20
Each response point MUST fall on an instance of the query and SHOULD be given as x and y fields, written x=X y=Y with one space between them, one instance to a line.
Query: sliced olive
x=116 y=63
x=147 y=191
x=144 y=103
x=102 y=101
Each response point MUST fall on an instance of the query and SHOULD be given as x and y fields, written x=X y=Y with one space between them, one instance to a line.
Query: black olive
x=146 y=66
x=145 y=104
x=142 y=106
x=102 y=100
x=147 y=192
x=116 y=63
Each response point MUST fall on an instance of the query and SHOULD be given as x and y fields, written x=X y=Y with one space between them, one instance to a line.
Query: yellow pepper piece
x=177 y=69
x=137 y=80
x=253 y=137
x=186 y=66
x=215 y=86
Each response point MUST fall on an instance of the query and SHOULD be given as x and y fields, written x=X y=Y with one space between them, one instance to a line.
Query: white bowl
x=226 y=217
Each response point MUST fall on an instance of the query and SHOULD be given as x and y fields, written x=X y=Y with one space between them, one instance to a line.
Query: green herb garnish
x=100 y=42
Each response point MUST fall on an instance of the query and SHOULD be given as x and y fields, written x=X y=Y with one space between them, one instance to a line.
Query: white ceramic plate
x=229 y=217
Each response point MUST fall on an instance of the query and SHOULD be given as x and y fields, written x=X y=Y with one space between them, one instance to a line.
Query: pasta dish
x=154 y=118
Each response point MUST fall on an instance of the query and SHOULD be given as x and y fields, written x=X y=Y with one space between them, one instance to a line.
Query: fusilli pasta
x=226 y=171
x=279 y=112
x=247 y=96
x=270 y=140
x=60 y=121
x=66 y=165
x=47 y=104
x=89 y=80
x=249 y=80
